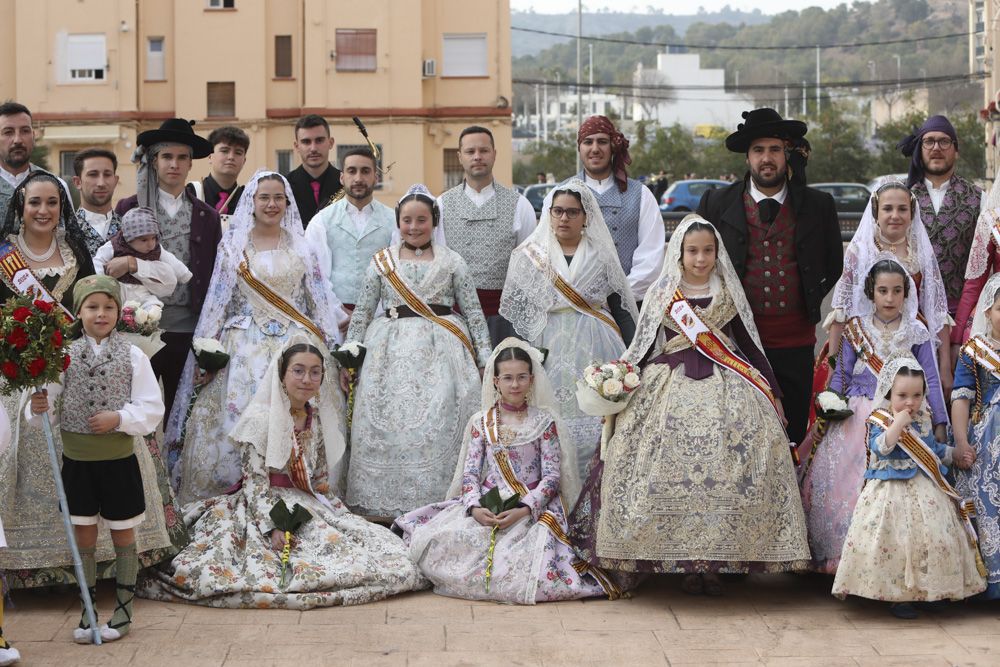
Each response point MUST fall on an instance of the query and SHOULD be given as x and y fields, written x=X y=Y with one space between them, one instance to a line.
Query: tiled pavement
x=779 y=620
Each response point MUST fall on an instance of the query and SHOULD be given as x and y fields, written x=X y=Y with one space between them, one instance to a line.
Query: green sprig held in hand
x=288 y=522
x=492 y=501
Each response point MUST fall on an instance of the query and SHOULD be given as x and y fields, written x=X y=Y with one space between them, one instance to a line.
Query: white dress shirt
x=757 y=195
x=937 y=194
x=359 y=216
x=144 y=410
x=647 y=260
x=170 y=203
x=14 y=179
x=99 y=221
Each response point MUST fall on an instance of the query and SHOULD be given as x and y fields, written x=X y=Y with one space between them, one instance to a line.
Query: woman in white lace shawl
x=892 y=223
x=253 y=326
x=984 y=261
x=566 y=292
x=697 y=478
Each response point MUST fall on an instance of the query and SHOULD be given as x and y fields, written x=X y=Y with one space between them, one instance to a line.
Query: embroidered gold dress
x=697 y=476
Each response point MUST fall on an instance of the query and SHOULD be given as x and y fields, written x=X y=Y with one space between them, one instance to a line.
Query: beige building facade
x=98 y=72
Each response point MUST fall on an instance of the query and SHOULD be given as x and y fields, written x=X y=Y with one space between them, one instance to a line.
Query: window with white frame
x=86 y=58
x=156 y=66
x=464 y=54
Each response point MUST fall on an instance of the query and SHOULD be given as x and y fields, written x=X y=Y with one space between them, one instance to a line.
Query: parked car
x=685 y=195
x=877 y=181
x=849 y=197
x=535 y=194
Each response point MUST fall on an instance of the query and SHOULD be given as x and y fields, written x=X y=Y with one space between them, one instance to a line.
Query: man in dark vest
x=189 y=228
x=949 y=204
x=630 y=210
x=784 y=241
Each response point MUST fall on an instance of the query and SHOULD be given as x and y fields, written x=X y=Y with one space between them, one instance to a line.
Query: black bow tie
x=767 y=209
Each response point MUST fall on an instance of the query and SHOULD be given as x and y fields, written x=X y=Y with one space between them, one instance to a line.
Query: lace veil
x=661 y=292
x=862 y=250
x=328 y=311
x=888 y=375
x=267 y=424
x=989 y=214
x=541 y=397
x=911 y=331
x=981 y=325
x=528 y=294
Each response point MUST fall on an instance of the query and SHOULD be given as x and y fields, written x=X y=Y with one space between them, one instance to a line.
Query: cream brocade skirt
x=700 y=470
x=906 y=543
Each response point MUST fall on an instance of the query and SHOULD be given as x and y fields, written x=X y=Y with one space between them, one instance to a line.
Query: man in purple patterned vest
x=949 y=204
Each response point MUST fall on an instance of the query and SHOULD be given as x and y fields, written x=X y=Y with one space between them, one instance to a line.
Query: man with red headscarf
x=629 y=208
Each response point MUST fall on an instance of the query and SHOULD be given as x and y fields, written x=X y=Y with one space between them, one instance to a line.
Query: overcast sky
x=669 y=6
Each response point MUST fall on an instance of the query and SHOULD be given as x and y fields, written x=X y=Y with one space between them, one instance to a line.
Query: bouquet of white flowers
x=832 y=406
x=141 y=326
x=604 y=392
x=349 y=355
x=209 y=354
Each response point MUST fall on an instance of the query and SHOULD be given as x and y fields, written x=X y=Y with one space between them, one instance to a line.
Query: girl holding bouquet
x=884 y=326
x=266 y=287
x=697 y=478
x=566 y=292
x=514 y=548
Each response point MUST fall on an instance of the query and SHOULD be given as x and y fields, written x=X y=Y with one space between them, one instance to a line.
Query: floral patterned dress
x=533 y=560
x=336 y=557
x=252 y=333
x=417 y=388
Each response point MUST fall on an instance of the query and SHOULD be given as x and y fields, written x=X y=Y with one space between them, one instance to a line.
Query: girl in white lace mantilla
x=697 y=477
x=906 y=542
x=291 y=442
x=515 y=444
x=590 y=321
x=420 y=380
x=266 y=233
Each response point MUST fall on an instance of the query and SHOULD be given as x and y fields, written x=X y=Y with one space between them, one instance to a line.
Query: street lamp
x=899 y=70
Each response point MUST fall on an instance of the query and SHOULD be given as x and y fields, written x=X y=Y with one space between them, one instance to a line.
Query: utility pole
x=737 y=81
x=579 y=76
x=805 y=90
x=899 y=70
x=818 y=93
x=590 y=80
x=786 y=101
x=545 y=112
x=558 y=101
x=538 y=114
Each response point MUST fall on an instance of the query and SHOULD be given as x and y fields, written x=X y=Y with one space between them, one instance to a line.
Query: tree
x=838 y=153
x=557 y=157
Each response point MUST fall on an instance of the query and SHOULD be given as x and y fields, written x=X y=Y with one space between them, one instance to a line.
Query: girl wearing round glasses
x=566 y=292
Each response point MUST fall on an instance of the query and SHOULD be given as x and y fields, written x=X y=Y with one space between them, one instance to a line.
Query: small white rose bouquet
x=209 y=354
x=605 y=390
x=141 y=326
x=832 y=406
x=350 y=355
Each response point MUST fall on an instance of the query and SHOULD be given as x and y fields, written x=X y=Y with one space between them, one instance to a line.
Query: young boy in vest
x=109 y=397
x=8 y=654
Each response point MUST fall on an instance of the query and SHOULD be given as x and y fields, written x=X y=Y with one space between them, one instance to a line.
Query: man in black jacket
x=784 y=241
x=315 y=181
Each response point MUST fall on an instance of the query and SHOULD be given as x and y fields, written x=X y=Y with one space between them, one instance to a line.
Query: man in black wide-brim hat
x=189 y=228
x=784 y=240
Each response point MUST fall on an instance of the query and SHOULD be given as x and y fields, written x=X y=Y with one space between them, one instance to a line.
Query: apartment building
x=98 y=72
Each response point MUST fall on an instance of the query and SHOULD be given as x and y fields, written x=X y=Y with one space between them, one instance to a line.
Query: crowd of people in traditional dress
x=411 y=379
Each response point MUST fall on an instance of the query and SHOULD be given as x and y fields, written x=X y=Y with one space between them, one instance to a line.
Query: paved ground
x=779 y=620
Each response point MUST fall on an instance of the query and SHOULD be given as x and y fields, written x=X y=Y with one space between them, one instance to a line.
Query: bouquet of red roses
x=32 y=339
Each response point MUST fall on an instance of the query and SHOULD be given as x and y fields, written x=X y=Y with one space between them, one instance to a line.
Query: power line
x=918 y=82
x=721 y=47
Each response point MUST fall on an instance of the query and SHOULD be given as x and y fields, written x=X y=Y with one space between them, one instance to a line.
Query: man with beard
x=17 y=140
x=315 y=181
x=784 y=240
x=219 y=189
x=483 y=222
x=96 y=179
x=348 y=232
x=949 y=204
x=629 y=207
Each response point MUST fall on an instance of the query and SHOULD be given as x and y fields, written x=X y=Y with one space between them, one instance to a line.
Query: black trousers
x=793 y=368
x=168 y=364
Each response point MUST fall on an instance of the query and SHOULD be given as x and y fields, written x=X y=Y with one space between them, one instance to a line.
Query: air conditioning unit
x=430 y=68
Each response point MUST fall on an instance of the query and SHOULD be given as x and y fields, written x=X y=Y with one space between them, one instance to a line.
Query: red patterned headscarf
x=619 y=146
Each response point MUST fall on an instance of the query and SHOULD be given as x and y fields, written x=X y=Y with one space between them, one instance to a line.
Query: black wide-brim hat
x=763 y=123
x=177 y=131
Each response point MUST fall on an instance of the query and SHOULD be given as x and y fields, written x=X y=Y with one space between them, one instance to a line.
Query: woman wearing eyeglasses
x=566 y=292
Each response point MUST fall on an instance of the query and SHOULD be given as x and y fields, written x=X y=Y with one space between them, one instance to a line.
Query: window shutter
x=464 y=54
